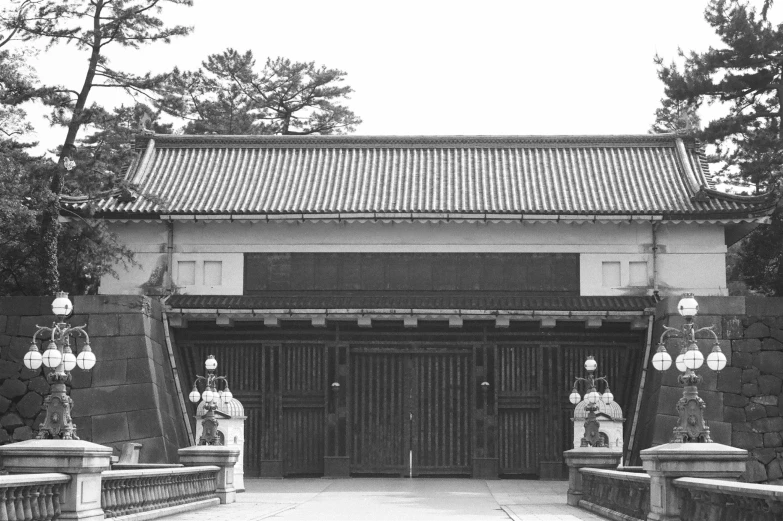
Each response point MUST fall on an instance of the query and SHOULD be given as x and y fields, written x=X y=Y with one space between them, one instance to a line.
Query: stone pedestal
x=591 y=457
x=220 y=456
x=665 y=463
x=82 y=460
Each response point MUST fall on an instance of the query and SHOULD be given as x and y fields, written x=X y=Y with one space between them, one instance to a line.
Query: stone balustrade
x=125 y=492
x=31 y=497
x=610 y=492
x=707 y=499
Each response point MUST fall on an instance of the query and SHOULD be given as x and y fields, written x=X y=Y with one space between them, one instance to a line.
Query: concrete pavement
x=382 y=499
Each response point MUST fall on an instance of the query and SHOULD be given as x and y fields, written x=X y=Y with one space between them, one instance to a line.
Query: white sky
x=443 y=67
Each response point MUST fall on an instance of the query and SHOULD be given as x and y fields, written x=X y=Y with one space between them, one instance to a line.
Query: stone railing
x=616 y=495
x=707 y=499
x=31 y=497
x=126 y=492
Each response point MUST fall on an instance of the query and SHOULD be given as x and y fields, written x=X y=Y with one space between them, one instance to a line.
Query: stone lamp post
x=592 y=437
x=592 y=453
x=691 y=453
x=210 y=450
x=211 y=395
x=58 y=449
x=60 y=360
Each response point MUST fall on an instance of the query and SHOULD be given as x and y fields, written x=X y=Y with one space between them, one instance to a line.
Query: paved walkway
x=387 y=499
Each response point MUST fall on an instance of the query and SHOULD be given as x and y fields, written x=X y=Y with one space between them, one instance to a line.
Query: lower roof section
x=405 y=302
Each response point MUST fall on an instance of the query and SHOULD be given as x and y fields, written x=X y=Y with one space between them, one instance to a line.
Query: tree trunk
x=50 y=225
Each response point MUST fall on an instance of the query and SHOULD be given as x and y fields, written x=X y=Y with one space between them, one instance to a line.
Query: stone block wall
x=128 y=396
x=744 y=400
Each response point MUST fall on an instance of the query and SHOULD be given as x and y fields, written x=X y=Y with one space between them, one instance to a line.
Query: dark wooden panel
x=303 y=404
x=378 y=414
x=442 y=414
x=518 y=438
x=539 y=273
x=303 y=445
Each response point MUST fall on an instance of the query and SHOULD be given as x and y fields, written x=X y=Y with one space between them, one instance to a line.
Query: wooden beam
x=548 y=322
x=224 y=321
x=364 y=322
x=594 y=322
x=639 y=323
x=319 y=321
x=178 y=321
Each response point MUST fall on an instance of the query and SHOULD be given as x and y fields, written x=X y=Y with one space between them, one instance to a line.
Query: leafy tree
x=745 y=76
x=93 y=27
x=227 y=96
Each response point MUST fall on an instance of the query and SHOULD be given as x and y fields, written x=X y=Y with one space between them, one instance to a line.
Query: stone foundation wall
x=128 y=396
x=744 y=400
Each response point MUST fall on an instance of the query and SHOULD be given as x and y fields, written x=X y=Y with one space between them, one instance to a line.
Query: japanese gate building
x=396 y=305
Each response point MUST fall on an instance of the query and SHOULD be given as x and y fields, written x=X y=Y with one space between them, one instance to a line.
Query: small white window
x=186 y=273
x=611 y=274
x=637 y=273
x=213 y=273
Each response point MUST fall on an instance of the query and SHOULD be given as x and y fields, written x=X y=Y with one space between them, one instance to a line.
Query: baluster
x=125 y=486
x=16 y=509
x=110 y=506
x=131 y=489
x=24 y=496
x=120 y=497
x=136 y=493
x=35 y=511
x=4 y=504
x=45 y=500
x=105 y=497
x=56 y=491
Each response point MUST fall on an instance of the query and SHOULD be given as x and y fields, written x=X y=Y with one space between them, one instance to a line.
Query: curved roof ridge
x=391 y=141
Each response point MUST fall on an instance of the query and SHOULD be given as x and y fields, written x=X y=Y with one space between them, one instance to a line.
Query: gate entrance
x=411 y=411
x=393 y=402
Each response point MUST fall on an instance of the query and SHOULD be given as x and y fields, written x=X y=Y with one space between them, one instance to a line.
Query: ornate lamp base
x=691 y=427
x=210 y=434
x=58 y=407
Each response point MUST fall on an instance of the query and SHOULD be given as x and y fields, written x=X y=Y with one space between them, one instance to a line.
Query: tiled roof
x=441 y=300
x=419 y=177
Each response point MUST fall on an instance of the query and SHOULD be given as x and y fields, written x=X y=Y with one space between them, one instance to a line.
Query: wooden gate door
x=410 y=407
x=303 y=401
x=519 y=395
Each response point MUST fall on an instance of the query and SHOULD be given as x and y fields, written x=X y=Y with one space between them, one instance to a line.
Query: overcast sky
x=444 y=67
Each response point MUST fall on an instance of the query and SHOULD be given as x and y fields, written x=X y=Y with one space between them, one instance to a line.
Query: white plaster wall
x=691 y=257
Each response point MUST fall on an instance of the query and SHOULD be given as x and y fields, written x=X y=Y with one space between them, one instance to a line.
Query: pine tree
x=745 y=76
x=228 y=96
x=93 y=27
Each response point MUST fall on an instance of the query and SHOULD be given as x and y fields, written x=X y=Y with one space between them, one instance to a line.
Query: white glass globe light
x=69 y=361
x=661 y=360
x=52 y=356
x=33 y=359
x=687 y=306
x=679 y=363
x=591 y=364
x=194 y=395
x=211 y=363
x=86 y=359
x=592 y=396
x=227 y=396
x=693 y=358
x=607 y=397
x=62 y=306
x=716 y=360
x=208 y=395
x=574 y=397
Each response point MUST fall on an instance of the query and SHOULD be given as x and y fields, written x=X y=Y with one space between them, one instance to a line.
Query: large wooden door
x=410 y=411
